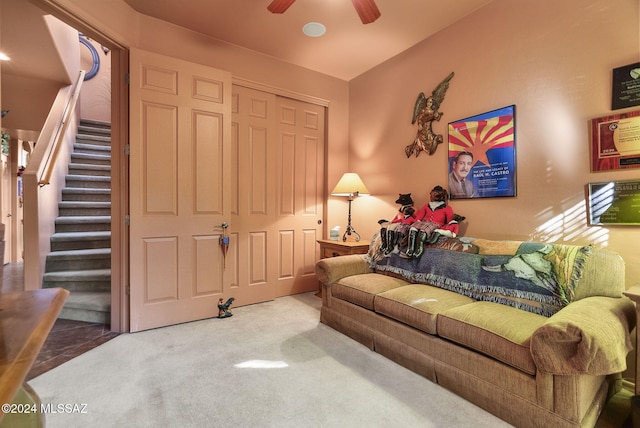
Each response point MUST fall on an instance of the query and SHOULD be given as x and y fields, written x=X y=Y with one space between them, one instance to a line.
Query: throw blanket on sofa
x=534 y=277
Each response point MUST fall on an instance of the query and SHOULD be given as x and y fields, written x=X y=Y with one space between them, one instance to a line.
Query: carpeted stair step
x=86 y=129
x=86 y=194
x=79 y=280
x=84 y=181
x=84 y=208
x=93 y=307
x=82 y=224
x=75 y=260
x=89 y=158
x=80 y=147
x=92 y=131
x=95 y=140
x=89 y=169
x=80 y=240
x=95 y=124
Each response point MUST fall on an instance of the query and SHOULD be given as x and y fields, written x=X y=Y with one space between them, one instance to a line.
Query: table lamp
x=350 y=185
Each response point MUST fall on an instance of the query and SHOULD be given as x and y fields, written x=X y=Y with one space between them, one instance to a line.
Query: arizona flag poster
x=482 y=155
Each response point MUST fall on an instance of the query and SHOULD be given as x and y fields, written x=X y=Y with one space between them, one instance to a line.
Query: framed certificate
x=615 y=142
x=625 y=90
x=614 y=203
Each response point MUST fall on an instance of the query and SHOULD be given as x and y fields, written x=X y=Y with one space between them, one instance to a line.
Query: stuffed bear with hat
x=392 y=232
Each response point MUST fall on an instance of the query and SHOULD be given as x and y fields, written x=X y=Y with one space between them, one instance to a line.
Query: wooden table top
x=25 y=321
x=348 y=243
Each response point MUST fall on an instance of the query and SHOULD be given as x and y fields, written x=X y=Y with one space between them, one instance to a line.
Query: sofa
x=536 y=334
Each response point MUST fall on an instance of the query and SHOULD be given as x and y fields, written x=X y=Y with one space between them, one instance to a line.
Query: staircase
x=80 y=258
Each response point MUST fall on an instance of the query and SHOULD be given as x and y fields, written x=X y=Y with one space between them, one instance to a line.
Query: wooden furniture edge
x=27 y=318
x=633 y=293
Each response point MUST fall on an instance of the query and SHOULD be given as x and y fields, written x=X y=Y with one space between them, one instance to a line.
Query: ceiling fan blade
x=279 y=6
x=367 y=10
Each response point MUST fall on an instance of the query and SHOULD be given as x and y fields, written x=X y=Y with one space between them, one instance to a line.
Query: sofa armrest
x=332 y=269
x=589 y=336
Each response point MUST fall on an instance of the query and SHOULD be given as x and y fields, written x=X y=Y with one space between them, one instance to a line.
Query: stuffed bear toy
x=392 y=232
x=434 y=219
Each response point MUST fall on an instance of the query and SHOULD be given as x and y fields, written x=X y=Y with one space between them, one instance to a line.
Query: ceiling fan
x=367 y=9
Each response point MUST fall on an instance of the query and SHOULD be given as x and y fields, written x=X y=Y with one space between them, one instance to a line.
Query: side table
x=330 y=248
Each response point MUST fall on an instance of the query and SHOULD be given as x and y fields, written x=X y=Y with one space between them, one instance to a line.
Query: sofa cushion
x=496 y=330
x=361 y=289
x=418 y=305
x=574 y=342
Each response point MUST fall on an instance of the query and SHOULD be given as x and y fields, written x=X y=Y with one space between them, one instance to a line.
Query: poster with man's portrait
x=482 y=155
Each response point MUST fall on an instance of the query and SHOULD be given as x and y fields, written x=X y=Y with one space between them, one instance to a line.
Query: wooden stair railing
x=52 y=152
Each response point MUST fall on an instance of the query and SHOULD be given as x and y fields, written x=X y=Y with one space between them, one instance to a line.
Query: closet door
x=277 y=170
x=300 y=148
x=249 y=272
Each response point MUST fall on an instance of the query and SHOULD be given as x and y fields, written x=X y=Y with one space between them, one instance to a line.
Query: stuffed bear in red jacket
x=392 y=232
x=434 y=219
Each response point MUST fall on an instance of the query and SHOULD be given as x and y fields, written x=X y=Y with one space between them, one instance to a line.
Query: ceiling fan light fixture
x=314 y=29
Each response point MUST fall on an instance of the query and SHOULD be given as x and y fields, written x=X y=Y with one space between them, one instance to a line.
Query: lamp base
x=350 y=230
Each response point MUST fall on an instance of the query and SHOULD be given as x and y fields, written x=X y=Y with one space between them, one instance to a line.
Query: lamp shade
x=350 y=184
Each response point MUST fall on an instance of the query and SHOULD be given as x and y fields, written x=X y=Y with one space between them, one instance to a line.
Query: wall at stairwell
x=41 y=202
x=95 y=99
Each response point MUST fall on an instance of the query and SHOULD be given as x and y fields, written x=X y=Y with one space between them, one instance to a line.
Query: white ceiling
x=348 y=49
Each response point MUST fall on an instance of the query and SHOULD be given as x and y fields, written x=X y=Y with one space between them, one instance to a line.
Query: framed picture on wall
x=615 y=142
x=482 y=155
x=625 y=88
x=614 y=203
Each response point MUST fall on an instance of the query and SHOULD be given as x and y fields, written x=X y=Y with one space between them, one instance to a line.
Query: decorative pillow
x=455 y=244
x=491 y=247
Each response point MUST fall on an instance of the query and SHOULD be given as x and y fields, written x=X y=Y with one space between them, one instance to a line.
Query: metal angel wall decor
x=425 y=112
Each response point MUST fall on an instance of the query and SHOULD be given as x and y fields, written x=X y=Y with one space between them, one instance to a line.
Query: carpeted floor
x=269 y=365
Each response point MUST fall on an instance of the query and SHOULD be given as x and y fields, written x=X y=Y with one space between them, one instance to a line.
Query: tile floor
x=67 y=338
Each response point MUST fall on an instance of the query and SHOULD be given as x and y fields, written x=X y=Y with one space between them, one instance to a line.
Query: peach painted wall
x=25 y=114
x=66 y=43
x=95 y=99
x=554 y=61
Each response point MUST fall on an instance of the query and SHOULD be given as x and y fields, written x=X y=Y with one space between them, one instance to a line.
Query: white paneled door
x=301 y=146
x=196 y=165
x=180 y=133
x=277 y=195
